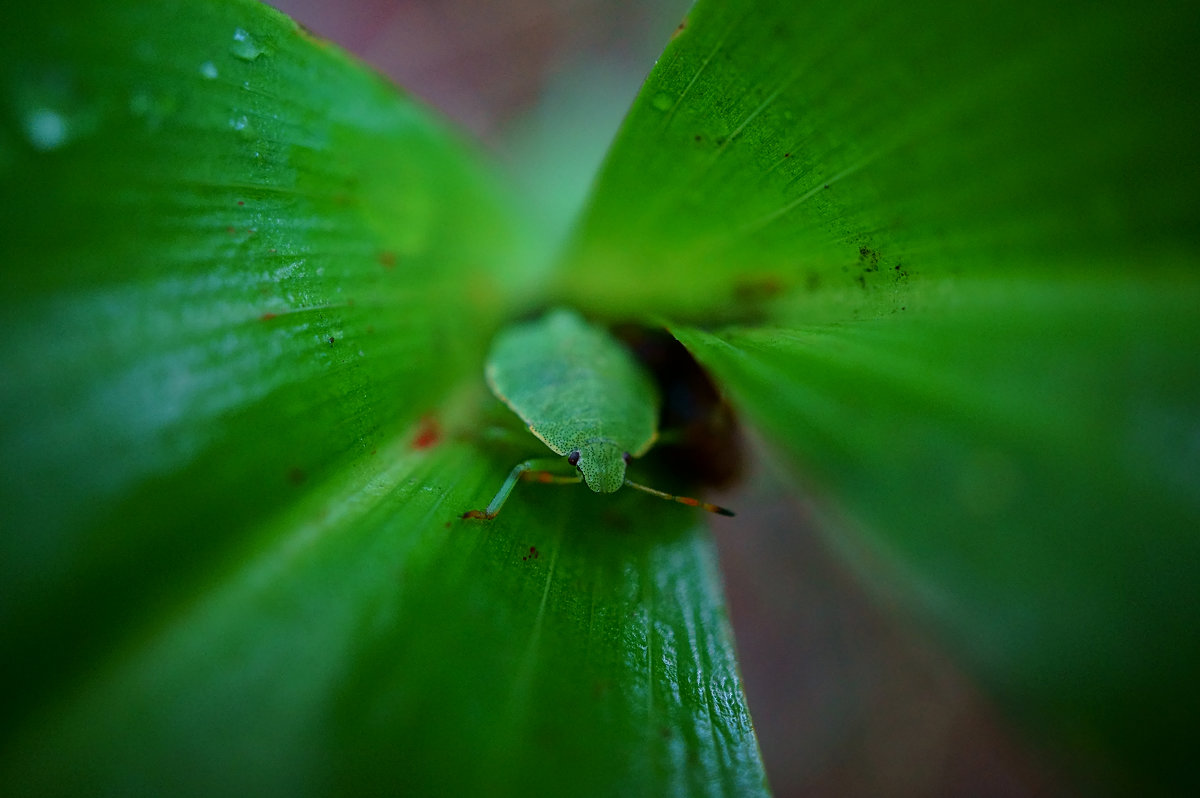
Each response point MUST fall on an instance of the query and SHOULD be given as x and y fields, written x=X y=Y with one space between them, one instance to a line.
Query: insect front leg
x=530 y=470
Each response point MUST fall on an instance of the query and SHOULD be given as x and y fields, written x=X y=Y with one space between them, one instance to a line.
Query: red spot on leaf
x=429 y=433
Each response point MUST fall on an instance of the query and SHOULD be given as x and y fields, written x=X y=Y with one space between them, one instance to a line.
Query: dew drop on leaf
x=244 y=46
x=242 y=125
x=46 y=128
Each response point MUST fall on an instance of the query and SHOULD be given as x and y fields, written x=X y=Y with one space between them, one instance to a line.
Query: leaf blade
x=258 y=282
x=1033 y=510
x=234 y=446
x=970 y=233
x=547 y=648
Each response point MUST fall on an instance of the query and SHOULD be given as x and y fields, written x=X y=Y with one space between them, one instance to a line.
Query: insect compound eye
x=573 y=457
x=626 y=458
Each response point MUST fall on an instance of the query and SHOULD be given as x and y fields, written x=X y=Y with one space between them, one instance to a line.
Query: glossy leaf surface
x=959 y=243
x=248 y=289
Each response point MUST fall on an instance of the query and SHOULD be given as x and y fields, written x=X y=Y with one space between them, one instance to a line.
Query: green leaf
x=234 y=264
x=961 y=242
x=1024 y=478
x=374 y=643
x=955 y=142
x=248 y=291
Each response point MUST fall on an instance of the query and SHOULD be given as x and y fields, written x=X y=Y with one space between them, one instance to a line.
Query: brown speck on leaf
x=754 y=289
x=429 y=433
x=870 y=257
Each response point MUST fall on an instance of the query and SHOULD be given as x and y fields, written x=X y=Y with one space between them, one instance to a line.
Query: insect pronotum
x=584 y=396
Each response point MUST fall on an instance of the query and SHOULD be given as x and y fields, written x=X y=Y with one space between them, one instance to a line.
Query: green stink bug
x=584 y=396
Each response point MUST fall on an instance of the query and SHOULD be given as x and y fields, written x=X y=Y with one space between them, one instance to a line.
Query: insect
x=584 y=396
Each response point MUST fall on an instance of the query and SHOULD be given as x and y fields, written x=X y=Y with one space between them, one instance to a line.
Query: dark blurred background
x=848 y=699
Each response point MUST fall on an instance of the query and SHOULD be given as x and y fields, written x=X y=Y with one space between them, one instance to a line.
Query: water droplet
x=209 y=70
x=662 y=101
x=242 y=125
x=46 y=128
x=244 y=46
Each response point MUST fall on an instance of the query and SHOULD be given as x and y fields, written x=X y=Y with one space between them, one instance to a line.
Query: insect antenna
x=688 y=500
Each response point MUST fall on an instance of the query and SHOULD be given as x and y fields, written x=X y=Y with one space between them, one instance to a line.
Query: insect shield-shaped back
x=583 y=395
x=575 y=385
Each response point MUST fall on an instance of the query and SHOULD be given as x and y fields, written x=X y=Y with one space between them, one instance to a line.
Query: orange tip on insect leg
x=688 y=500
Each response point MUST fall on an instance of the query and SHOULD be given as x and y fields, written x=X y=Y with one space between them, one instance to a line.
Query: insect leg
x=548 y=478
x=688 y=500
x=529 y=470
